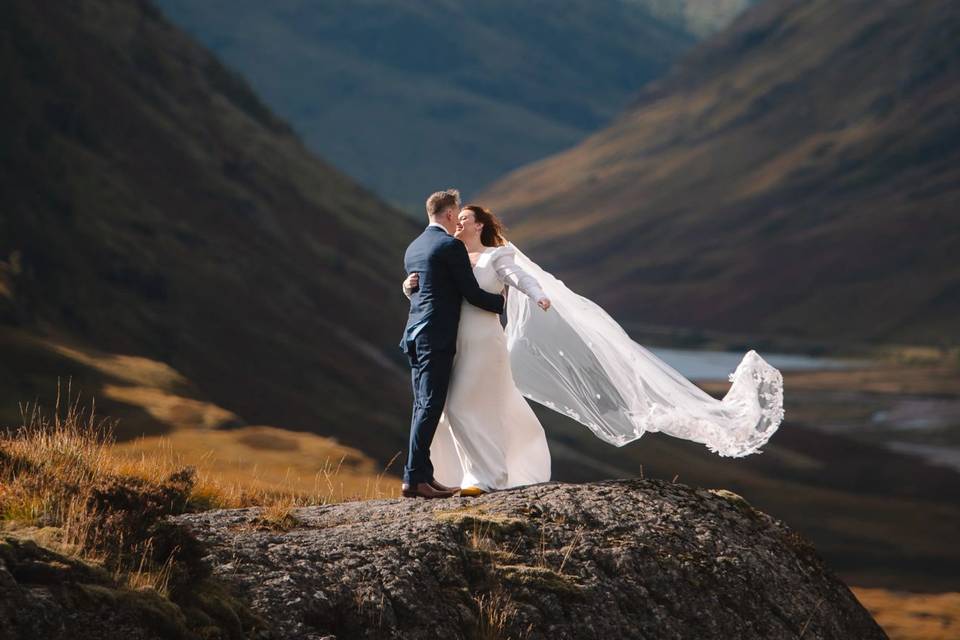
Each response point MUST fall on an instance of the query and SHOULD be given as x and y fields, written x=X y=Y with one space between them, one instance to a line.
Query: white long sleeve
x=511 y=274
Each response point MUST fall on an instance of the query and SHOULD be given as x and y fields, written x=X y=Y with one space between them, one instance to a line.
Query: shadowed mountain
x=408 y=97
x=797 y=176
x=699 y=17
x=151 y=206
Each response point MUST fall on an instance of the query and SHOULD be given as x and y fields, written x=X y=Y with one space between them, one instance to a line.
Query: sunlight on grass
x=913 y=616
x=251 y=466
x=63 y=474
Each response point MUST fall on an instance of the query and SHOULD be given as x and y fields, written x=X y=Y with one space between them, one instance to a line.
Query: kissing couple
x=472 y=431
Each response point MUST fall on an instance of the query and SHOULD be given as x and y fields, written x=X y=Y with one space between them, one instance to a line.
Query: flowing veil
x=578 y=361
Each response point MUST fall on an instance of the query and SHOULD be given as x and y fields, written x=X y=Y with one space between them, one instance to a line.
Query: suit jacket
x=446 y=278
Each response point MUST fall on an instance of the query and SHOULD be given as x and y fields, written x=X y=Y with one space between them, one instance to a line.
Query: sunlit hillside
x=158 y=419
x=795 y=177
x=913 y=616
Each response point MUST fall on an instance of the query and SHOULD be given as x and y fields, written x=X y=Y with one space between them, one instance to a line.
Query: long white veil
x=578 y=361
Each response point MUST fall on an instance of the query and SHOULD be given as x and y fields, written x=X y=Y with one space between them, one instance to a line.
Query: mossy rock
x=196 y=609
x=539 y=578
x=736 y=499
x=221 y=608
x=146 y=606
x=483 y=520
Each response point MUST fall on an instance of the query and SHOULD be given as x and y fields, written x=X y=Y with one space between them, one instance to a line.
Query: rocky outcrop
x=616 y=559
x=45 y=594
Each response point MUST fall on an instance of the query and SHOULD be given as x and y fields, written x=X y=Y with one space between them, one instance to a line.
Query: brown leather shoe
x=423 y=490
x=442 y=487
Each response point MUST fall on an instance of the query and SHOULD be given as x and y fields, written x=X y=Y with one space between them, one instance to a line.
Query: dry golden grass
x=236 y=466
x=64 y=481
x=55 y=473
x=170 y=408
x=255 y=465
x=913 y=616
x=46 y=463
x=249 y=466
x=494 y=612
x=133 y=370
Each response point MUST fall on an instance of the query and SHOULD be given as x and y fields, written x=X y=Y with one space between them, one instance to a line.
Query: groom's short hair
x=439 y=201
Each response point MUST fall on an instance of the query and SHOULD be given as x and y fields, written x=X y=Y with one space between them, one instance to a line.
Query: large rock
x=614 y=559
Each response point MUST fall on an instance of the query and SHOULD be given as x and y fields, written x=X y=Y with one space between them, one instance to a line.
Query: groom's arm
x=467 y=282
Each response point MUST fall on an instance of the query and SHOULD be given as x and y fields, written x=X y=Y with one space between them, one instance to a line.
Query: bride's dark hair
x=492 y=233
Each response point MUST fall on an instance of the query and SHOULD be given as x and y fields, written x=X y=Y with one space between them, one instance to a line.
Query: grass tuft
x=495 y=614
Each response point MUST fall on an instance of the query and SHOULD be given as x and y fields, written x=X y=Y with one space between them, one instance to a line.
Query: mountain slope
x=798 y=175
x=150 y=205
x=700 y=17
x=414 y=96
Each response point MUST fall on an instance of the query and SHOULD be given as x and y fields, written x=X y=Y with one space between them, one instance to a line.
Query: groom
x=430 y=338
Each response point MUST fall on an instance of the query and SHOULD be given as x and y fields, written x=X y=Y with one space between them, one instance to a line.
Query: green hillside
x=408 y=97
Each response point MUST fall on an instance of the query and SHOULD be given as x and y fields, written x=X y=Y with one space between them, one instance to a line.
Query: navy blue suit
x=430 y=337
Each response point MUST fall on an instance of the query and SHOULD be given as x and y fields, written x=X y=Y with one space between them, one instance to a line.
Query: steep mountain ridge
x=150 y=205
x=796 y=176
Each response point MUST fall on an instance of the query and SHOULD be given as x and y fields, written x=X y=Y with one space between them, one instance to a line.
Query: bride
x=574 y=359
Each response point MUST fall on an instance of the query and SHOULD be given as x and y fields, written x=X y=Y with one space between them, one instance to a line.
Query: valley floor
x=913 y=616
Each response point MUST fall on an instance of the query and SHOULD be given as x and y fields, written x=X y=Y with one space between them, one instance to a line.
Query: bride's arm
x=511 y=274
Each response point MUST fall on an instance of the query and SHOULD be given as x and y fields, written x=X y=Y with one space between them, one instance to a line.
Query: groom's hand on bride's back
x=412 y=283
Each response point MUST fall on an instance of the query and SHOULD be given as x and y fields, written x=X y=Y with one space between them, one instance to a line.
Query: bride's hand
x=544 y=303
x=412 y=282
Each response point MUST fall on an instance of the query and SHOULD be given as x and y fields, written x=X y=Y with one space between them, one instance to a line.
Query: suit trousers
x=430 y=373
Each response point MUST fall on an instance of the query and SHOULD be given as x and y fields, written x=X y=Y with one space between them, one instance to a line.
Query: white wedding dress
x=488 y=436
